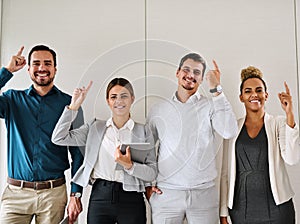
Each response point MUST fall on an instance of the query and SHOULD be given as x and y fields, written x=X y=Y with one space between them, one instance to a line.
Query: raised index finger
x=287 y=90
x=89 y=86
x=20 y=51
x=216 y=66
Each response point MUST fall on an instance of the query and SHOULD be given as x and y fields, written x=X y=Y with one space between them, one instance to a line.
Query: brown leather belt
x=37 y=185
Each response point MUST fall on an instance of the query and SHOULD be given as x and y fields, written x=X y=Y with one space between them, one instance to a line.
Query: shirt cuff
x=218 y=97
x=131 y=170
x=76 y=188
x=150 y=184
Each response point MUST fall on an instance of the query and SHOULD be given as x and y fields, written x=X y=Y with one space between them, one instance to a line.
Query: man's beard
x=42 y=82
x=188 y=87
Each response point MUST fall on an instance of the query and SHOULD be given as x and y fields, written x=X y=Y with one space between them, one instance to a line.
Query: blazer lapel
x=96 y=135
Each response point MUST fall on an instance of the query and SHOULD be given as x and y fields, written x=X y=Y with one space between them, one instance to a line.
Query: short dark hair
x=42 y=48
x=196 y=57
x=121 y=82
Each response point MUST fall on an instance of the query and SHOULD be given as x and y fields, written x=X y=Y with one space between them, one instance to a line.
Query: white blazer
x=283 y=147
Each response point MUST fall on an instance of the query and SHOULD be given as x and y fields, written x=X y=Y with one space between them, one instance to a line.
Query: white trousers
x=200 y=206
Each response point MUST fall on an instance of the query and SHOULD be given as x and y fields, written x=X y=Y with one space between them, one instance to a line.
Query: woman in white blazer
x=118 y=182
x=255 y=186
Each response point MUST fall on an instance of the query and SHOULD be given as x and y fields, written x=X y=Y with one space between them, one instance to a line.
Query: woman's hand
x=78 y=96
x=123 y=160
x=223 y=220
x=287 y=105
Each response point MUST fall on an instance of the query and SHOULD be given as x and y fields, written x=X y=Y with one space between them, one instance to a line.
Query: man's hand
x=213 y=77
x=74 y=209
x=17 y=61
x=78 y=96
x=151 y=190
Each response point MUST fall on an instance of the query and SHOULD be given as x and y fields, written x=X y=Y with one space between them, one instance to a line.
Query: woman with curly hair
x=255 y=186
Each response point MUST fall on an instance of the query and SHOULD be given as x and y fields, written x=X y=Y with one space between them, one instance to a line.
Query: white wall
x=144 y=40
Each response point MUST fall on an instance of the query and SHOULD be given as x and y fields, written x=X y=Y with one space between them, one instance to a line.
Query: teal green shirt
x=30 y=120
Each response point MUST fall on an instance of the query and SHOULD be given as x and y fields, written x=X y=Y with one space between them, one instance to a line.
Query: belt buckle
x=35 y=185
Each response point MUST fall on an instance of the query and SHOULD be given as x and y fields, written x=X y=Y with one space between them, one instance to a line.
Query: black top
x=253 y=199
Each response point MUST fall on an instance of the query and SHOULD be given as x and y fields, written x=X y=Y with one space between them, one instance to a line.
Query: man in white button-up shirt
x=189 y=128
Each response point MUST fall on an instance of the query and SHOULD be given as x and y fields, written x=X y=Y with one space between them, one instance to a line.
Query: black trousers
x=110 y=204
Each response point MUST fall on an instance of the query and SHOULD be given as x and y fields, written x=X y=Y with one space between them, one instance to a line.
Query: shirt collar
x=32 y=91
x=129 y=124
x=193 y=98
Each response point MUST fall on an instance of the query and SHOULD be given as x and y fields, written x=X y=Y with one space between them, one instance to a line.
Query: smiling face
x=253 y=95
x=120 y=100
x=190 y=75
x=41 y=68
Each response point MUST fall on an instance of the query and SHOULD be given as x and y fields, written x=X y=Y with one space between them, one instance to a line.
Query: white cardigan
x=283 y=147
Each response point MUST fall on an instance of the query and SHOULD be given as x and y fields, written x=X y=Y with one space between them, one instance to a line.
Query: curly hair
x=249 y=73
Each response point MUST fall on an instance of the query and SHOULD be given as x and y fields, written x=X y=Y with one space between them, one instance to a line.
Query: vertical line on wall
x=296 y=54
x=1 y=23
x=145 y=57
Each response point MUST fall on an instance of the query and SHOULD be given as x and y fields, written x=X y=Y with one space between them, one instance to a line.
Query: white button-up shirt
x=189 y=137
x=105 y=167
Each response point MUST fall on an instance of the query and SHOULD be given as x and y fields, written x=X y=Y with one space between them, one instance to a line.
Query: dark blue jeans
x=110 y=204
